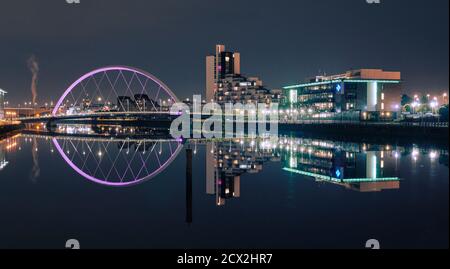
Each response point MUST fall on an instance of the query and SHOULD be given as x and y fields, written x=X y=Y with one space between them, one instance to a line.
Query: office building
x=226 y=84
x=218 y=66
x=144 y=103
x=2 y=104
x=360 y=91
x=239 y=89
x=126 y=103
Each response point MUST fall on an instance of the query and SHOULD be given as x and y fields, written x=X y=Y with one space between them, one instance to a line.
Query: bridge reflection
x=114 y=158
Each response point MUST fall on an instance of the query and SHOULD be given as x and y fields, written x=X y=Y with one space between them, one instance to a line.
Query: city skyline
x=207 y=132
x=174 y=47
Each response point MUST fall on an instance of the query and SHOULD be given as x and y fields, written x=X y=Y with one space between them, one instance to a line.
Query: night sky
x=281 y=41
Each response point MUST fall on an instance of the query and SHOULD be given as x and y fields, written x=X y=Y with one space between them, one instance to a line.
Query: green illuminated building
x=2 y=103
x=358 y=94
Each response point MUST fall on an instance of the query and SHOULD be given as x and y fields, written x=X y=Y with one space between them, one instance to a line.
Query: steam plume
x=33 y=65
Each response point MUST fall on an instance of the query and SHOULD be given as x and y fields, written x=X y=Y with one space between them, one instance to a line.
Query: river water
x=110 y=191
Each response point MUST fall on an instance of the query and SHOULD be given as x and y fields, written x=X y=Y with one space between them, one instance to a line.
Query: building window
x=2 y=105
x=293 y=96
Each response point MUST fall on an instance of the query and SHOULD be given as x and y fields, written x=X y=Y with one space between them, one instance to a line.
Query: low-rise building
x=239 y=89
x=2 y=104
x=359 y=91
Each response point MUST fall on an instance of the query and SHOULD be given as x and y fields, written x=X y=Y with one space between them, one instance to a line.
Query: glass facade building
x=2 y=104
x=359 y=93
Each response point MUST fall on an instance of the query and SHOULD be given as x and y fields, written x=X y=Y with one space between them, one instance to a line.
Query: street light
x=433 y=155
x=414 y=105
x=433 y=106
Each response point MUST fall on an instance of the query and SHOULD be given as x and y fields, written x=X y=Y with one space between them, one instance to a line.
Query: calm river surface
x=152 y=192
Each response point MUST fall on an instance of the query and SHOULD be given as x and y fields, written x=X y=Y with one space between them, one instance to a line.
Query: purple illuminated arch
x=114 y=68
x=104 y=181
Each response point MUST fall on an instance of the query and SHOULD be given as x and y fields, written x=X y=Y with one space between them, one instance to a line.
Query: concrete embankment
x=6 y=128
x=393 y=133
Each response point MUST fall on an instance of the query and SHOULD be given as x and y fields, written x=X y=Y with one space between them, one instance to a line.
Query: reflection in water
x=112 y=155
x=117 y=162
x=3 y=161
x=7 y=145
x=365 y=168
x=188 y=185
x=358 y=168
x=35 y=170
x=120 y=156
x=307 y=184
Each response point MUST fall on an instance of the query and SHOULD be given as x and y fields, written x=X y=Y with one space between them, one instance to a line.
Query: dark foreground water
x=291 y=193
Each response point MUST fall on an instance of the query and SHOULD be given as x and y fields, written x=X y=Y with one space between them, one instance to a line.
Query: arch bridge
x=112 y=94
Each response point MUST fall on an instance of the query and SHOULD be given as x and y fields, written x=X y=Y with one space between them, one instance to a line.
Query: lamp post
x=397 y=111
x=414 y=105
x=434 y=104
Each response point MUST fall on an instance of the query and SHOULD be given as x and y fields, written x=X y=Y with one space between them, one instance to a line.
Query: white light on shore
x=433 y=155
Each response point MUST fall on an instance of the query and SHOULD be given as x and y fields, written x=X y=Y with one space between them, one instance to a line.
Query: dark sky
x=281 y=41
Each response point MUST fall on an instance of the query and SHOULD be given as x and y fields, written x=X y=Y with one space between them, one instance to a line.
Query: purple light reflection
x=117 y=184
x=105 y=181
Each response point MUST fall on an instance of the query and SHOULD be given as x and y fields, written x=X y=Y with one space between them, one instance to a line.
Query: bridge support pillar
x=188 y=185
x=51 y=126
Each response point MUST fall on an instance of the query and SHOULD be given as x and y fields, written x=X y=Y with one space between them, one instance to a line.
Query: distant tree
x=424 y=100
x=424 y=108
x=424 y=104
x=407 y=108
x=443 y=112
x=406 y=99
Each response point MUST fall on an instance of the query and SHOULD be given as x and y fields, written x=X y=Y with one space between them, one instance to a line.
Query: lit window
x=293 y=96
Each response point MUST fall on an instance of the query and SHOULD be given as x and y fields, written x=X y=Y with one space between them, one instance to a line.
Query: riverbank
x=8 y=127
x=373 y=132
